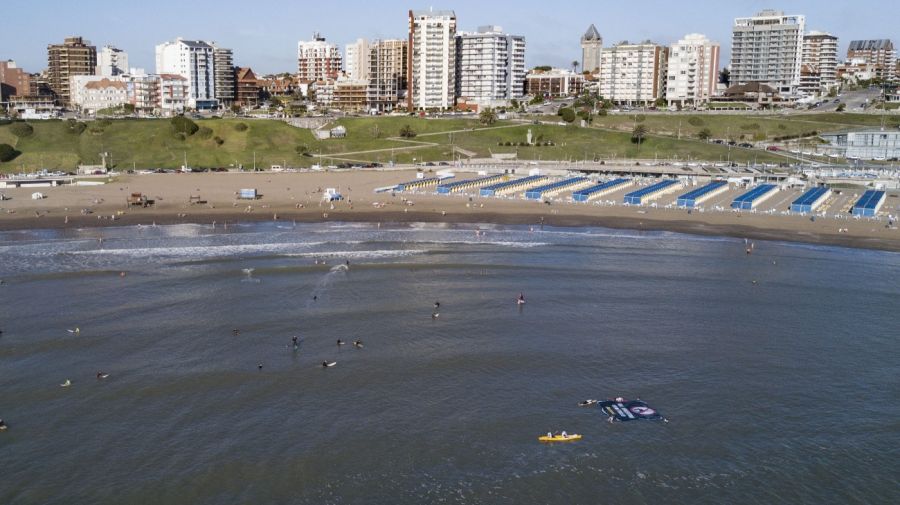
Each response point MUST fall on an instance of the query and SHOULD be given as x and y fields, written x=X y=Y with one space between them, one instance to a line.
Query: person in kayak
x=565 y=435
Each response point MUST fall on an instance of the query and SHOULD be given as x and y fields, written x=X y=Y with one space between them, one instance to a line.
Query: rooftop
x=591 y=34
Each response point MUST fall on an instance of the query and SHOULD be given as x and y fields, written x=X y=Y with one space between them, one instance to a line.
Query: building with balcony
x=223 y=74
x=490 y=67
x=111 y=61
x=386 y=72
x=246 y=87
x=693 y=70
x=13 y=80
x=768 y=48
x=74 y=56
x=318 y=60
x=554 y=83
x=195 y=61
x=877 y=55
x=818 y=73
x=431 y=71
x=90 y=93
x=357 y=59
x=633 y=74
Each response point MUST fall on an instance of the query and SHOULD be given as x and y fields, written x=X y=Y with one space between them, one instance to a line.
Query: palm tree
x=488 y=116
x=638 y=134
x=575 y=66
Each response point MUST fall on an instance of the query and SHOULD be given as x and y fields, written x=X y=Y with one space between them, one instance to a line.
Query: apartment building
x=74 y=56
x=431 y=72
x=768 y=48
x=633 y=74
x=111 y=61
x=386 y=71
x=591 y=45
x=490 y=67
x=90 y=93
x=554 y=83
x=246 y=87
x=318 y=60
x=878 y=55
x=223 y=75
x=693 y=70
x=357 y=59
x=195 y=61
x=174 y=93
x=13 y=80
x=818 y=73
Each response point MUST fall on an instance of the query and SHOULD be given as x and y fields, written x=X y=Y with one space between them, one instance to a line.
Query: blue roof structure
x=418 y=183
x=748 y=199
x=637 y=197
x=585 y=194
x=500 y=186
x=538 y=192
x=450 y=187
x=807 y=200
x=869 y=203
x=690 y=198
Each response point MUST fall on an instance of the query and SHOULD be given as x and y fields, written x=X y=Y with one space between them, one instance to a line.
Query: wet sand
x=297 y=196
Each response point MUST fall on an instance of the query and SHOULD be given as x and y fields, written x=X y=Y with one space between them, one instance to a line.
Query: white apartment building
x=432 y=61
x=554 y=83
x=693 y=70
x=318 y=60
x=357 y=61
x=174 y=93
x=591 y=46
x=90 y=93
x=195 y=61
x=633 y=74
x=768 y=48
x=490 y=67
x=111 y=61
x=818 y=73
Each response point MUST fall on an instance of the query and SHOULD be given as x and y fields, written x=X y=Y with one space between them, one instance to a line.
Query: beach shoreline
x=297 y=197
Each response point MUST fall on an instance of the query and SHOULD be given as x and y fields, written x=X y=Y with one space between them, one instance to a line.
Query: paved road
x=855 y=100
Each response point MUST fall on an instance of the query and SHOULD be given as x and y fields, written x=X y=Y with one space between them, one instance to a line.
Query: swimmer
x=437 y=305
x=101 y=375
x=435 y=315
x=76 y=331
x=295 y=341
x=358 y=344
x=340 y=342
x=66 y=384
x=2 y=425
x=315 y=297
x=259 y=366
x=235 y=331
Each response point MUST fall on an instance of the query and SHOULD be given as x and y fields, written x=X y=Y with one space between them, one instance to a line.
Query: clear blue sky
x=264 y=35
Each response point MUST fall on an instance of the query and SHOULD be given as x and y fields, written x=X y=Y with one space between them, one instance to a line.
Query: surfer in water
x=101 y=375
x=295 y=341
x=358 y=344
x=521 y=299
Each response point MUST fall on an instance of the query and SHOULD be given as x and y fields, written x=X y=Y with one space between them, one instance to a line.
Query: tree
x=725 y=76
x=302 y=149
x=543 y=68
x=407 y=132
x=575 y=66
x=128 y=108
x=704 y=134
x=567 y=114
x=841 y=108
x=183 y=125
x=488 y=116
x=7 y=152
x=638 y=134
x=235 y=108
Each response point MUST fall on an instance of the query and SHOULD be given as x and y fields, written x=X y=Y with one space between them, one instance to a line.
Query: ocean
x=777 y=371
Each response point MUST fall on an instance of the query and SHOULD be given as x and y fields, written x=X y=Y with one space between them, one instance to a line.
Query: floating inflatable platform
x=629 y=410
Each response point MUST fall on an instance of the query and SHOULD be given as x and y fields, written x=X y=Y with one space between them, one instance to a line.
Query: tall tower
x=768 y=48
x=591 y=44
x=75 y=56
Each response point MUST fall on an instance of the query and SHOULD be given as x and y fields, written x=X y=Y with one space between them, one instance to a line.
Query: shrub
x=77 y=127
x=7 y=152
x=21 y=130
x=302 y=149
x=567 y=114
x=204 y=132
x=96 y=130
x=640 y=118
x=241 y=127
x=219 y=141
x=695 y=121
x=181 y=124
x=103 y=123
x=704 y=134
x=407 y=132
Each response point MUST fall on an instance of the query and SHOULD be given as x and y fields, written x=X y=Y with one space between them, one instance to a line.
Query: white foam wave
x=202 y=251
x=386 y=253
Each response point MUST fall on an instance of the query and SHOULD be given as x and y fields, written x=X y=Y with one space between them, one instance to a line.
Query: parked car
x=773 y=148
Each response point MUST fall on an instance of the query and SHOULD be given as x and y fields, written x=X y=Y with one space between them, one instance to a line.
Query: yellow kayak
x=559 y=438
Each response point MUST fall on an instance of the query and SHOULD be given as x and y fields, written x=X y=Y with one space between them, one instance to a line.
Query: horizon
x=268 y=50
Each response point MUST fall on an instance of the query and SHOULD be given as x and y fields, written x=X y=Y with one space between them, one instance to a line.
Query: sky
x=264 y=35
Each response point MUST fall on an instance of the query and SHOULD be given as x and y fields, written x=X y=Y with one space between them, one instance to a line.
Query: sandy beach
x=297 y=196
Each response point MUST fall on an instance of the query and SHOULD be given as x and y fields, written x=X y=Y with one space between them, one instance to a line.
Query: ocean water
x=786 y=390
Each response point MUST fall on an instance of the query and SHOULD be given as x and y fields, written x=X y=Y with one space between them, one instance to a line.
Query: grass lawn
x=151 y=143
